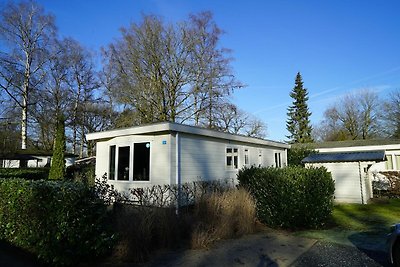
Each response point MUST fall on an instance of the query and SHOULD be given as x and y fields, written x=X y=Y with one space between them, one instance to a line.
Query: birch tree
x=25 y=32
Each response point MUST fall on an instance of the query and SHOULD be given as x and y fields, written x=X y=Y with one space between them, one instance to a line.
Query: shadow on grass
x=370 y=225
x=16 y=257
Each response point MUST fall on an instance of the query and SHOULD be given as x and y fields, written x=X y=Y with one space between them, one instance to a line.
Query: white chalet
x=171 y=153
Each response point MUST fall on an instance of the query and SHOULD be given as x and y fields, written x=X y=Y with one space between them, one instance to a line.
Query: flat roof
x=169 y=127
x=345 y=157
x=350 y=143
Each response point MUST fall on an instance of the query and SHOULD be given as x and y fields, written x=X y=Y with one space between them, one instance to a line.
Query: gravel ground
x=331 y=254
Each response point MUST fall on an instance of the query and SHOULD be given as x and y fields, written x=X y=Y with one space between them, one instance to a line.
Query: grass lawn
x=359 y=225
x=377 y=216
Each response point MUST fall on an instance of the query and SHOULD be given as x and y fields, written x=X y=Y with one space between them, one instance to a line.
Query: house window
x=389 y=162
x=141 y=161
x=246 y=157
x=111 y=166
x=278 y=162
x=260 y=158
x=232 y=157
x=397 y=162
x=123 y=163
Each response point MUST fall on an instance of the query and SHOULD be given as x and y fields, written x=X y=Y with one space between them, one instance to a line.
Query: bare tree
x=83 y=83
x=229 y=118
x=390 y=115
x=54 y=98
x=354 y=116
x=171 y=72
x=25 y=31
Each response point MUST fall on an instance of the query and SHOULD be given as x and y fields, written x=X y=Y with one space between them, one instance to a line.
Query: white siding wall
x=204 y=158
x=347 y=181
x=159 y=159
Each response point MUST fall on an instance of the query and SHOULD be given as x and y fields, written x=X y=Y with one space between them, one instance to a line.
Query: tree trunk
x=24 y=119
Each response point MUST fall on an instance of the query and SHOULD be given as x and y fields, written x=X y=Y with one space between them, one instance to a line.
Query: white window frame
x=396 y=166
x=260 y=157
x=232 y=154
x=131 y=162
x=131 y=154
x=278 y=159
x=246 y=155
x=109 y=163
x=391 y=156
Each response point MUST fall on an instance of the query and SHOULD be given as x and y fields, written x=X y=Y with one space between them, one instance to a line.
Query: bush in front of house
x=223 y=215
x=25 y=173
x=59 y=222
x=84 y=173
x=216 y=211
x=292 y=197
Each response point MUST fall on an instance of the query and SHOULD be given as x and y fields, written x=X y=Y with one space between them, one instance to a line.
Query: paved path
x=270 y=248
x=333 y=254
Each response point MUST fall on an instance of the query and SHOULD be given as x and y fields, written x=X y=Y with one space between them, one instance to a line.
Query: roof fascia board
x=175 y=127
x=359 y=148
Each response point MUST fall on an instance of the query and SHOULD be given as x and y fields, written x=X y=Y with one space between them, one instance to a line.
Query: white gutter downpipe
x=178 y=179
x=361 y=182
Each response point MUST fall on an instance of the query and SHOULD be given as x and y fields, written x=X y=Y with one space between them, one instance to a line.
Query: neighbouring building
x=31 y=159
x=354 y=165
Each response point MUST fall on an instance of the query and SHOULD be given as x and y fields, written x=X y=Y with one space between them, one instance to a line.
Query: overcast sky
x=338 y=46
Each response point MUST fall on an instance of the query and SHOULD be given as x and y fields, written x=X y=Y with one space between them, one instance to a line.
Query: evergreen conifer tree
x=57 y=169
x=298 y=123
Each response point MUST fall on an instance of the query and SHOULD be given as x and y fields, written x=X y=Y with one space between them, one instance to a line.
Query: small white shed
x=350 y=171
x=171 y=153
x=354 y=164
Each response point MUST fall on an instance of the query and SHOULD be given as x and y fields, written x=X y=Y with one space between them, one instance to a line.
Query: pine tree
x=57 y=169
x=298 y=123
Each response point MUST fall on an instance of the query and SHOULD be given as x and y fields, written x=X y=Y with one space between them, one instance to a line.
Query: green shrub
x=25 y=173
x=81 y=173
x=292 y=197
x=59 y=222
x=297 y=153
x=57 y=168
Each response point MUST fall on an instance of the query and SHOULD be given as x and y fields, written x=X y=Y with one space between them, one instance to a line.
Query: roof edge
x=176 y=127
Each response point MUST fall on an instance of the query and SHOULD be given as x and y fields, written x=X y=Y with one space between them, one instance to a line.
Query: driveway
x=273 y=248
x=268 y=248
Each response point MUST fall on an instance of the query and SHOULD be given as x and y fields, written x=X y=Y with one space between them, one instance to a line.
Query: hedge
x=292 y=197
x=59 y=222
x=25 y=173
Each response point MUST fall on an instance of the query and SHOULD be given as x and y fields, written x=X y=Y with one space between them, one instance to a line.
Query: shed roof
x=346 y=157
x=168 y=127
x=349 y=143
